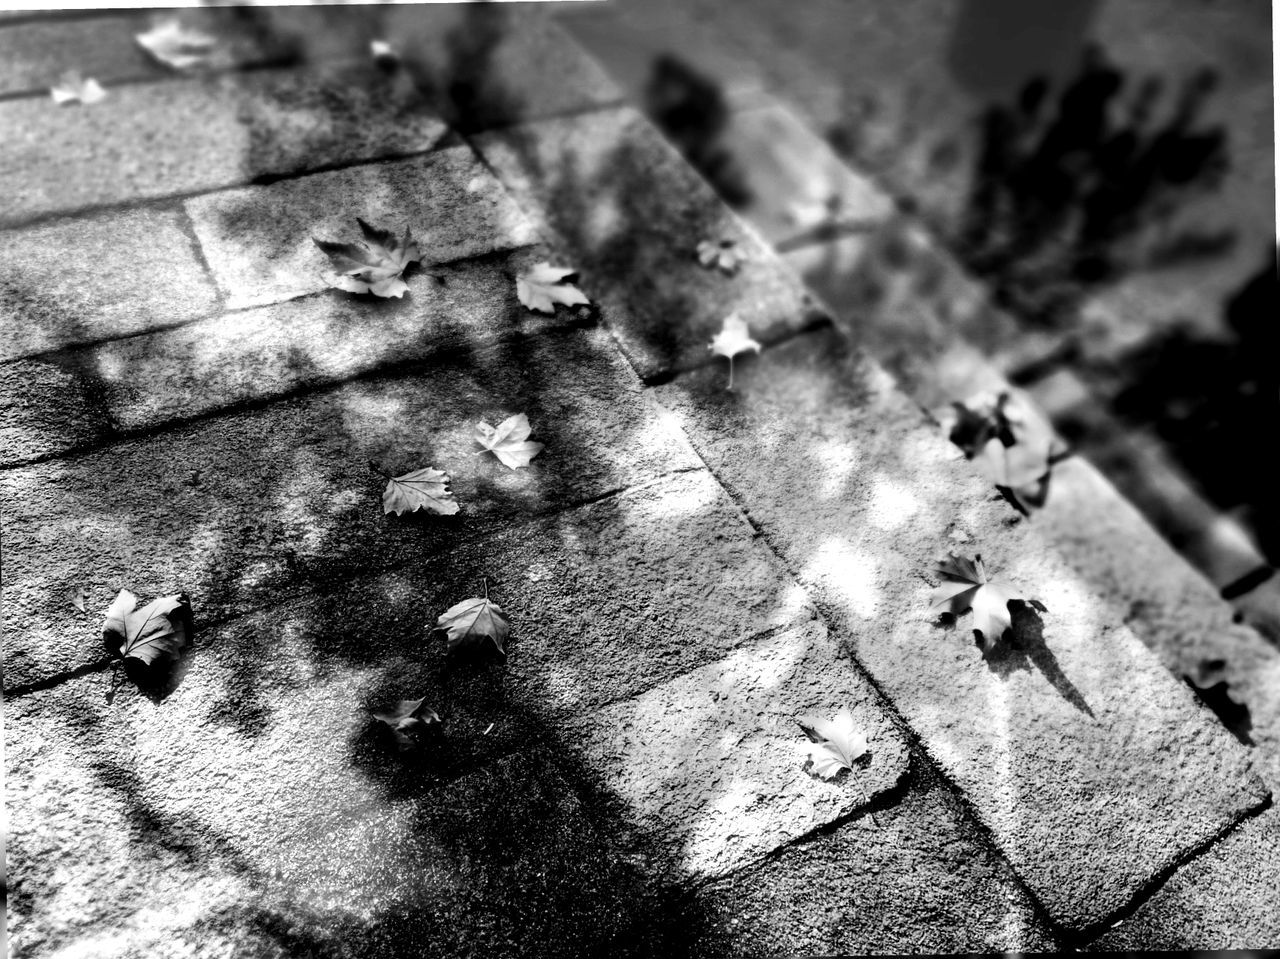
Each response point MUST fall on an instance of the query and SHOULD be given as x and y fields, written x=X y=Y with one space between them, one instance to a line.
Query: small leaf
x=733 y=338
x=73 y=88
x=509 y=441
x=474 y=620
x=410 y=722
x=723 y=254
x=77 y=597
x=1008 y=440
x=965 y=586
x=179 y=47
x=383 y=51
x=836 y=743
x=373 y=266
x=155 y=633
x=425 y=489
x=543 y=286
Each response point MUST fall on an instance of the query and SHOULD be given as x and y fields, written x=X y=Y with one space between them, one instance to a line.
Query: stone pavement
x=688 y=570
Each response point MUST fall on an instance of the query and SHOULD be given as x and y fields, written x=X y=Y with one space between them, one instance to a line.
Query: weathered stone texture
x=80 y=280
x=45 y=408
x=184 y=136
x=259 y=240
x=627 y=211
x=711 y=761
x=242 y=510
x=1095 y=769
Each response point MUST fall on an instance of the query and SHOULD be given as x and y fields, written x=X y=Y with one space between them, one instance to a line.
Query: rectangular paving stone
x=259 y=240
x=247 y=509
x=796 y=183
x=139 y=142
x=916 y=878
x=80 y=280
x=305 y=344
x=604 y=601
x=1093 y=768
x=623 y=208
x=713 y=761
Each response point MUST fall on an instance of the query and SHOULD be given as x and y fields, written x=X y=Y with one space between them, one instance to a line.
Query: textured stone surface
x=76 y=281
x=1094 y=769
x=797 y=184
x=46 y=409
x=916 y=878
x=258 y=240
x=301 y=508
x=1224 y=899
x=626 y=210
x=262 y=353
x=208 y=789
x=140 y=142
x=711 y=761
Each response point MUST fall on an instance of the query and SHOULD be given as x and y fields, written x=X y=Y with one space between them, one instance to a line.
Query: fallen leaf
x=426 y=489
x=77 y=597
x=155 y=633
x=543 y=286
x=73 y=88
x=382 y=50
x=733 y=338
x=410 y=722
x=723 y=254
x=836 y=743
x=179 y=47
x=1008 y=440
x=374 y=266
x=965 y=586
x=509 y=441
x=474 y=620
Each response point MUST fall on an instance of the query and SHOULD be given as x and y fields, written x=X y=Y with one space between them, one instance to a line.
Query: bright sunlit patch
x=848 y=574
x=891 y=504
x=838 y=461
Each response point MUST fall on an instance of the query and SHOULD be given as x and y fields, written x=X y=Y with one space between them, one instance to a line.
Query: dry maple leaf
x=733 y=338
x=836 y=743
x=426 y=489
x=410 y=722
x=179 y=47
x=1009 y=441
x=154 y=634
x=965 y=586
x=723 y=254
x=474 y=620
x=77 y=597
x=374 y=266
x=544 y=285
x=509 y=441
x=73 y=88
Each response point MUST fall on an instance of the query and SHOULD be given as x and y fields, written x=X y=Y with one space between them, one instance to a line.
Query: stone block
x=712 y=761
x=45 y=409
x=79 y=281
x=627 y=211
x=245 y=510
x=139 y=142
x=259 y=240
x=1092 y=767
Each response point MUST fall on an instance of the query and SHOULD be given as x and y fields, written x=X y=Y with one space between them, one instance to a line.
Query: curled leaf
x=425 y=489
x=965 y=586
x=179 y=47
x=153 y=635
x=474 y=620
x=835 y=743
x=723 y=254
x=509 y=441
x=411 y=722
x=1009 y=441
x=374 y=266
x=543 y=286
x=73 y=88
x=733 y=338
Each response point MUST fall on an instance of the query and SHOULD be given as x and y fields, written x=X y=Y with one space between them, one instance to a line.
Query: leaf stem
x=731 y=372
x=484 y=581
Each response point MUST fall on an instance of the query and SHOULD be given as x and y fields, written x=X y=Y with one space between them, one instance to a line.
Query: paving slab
x=45 y=408
x=1091 y=766
x=796 y=183
x=139 y=142
x=256 y=355
x=712 y=762
x=105 y=798
x=259 y=240
x=916 y=878
x=243 y=510
x=621 y=205
x=1224 y=899
x=81 y=280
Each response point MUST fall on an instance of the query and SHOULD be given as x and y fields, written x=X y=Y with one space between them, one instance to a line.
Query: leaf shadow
x=1024 y=647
